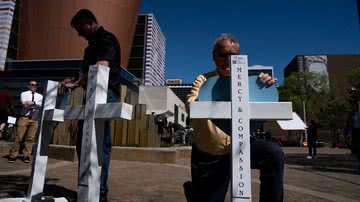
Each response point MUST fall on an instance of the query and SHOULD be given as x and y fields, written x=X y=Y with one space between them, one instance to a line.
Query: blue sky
x=271 y=32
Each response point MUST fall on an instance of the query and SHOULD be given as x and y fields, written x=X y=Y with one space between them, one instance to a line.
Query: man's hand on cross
x=67 y=83
x=265 y=78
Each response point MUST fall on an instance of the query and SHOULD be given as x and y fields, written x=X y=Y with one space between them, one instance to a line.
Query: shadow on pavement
x=13 y=186
x=338 y=163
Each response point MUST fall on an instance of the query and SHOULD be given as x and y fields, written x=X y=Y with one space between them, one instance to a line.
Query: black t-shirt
x=312 y=131
x=104 y=46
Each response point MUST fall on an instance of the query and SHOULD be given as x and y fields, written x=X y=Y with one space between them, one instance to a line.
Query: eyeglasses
x=32 y=84
x=225 y=55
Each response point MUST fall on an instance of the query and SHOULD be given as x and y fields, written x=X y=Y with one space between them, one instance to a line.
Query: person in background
x=170 y=130
x=312 y=139
x=27 y=124
x=161 y=128
x=268 y=135
x=6 y=106
x=258 y=133
x=353 y=129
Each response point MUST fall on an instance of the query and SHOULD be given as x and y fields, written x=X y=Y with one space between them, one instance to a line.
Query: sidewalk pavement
x=333 y=176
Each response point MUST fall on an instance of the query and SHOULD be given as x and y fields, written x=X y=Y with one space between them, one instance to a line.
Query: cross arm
x=103 y=111
x=257 y=110
x=54 y=115
x=114 y=111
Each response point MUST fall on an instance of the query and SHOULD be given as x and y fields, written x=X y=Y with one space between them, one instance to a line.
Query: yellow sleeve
x=194 y=92
x=206 y=135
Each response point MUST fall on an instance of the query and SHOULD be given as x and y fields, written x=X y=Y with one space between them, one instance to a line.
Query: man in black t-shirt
x=103 y=49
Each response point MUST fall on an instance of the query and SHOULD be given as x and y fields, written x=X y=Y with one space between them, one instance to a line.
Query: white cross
x=94 y=113
x=240 y=110
x=48 y=116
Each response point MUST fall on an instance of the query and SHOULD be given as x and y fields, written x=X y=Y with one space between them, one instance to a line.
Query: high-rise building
x=7 y=13
x=147 y=59
x=338 y=66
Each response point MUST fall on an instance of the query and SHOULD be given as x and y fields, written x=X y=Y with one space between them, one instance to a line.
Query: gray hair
x=221 y=38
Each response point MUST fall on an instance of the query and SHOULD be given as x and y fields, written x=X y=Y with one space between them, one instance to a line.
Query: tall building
x=7 y=13
x=338 y=66
x=147 y=59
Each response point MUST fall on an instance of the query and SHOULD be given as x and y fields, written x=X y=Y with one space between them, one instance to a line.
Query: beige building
x=162 y=100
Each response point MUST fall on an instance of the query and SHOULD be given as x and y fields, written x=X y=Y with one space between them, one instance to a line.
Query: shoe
x=12 y=159
x=103 y=197
x=309 y=157
x=188 y=191
x=26 y=159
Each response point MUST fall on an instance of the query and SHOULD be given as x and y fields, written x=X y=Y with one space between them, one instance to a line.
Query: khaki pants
x=24 y=124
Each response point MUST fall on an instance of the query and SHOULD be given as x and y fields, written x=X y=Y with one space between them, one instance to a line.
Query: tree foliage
x=318 y=92
x=309 y=87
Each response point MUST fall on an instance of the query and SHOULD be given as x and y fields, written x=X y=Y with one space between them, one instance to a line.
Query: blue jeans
x=106 y=148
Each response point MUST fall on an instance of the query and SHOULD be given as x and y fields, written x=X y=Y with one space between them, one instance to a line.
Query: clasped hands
x=29 y=104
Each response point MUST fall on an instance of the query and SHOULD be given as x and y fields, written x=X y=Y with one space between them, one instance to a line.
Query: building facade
x=43 y=45
x=19 y=72
x=147 y=59
x=44 y=30
x=162 y=101
x=181 y=90
x=337 y=66
x=7 y=16
x=174 y=81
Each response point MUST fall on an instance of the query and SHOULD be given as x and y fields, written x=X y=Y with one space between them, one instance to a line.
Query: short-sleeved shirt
x=104 y=46
x=28 y=96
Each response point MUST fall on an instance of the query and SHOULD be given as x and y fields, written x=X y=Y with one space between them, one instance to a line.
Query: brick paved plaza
x=333 y=176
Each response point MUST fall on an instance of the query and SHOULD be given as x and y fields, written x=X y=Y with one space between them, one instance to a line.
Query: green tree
x=318 y=92
x=309 y=87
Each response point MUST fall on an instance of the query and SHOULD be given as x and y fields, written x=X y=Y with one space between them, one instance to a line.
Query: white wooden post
x=94 y=113
x=241 y=111
x=240 y=148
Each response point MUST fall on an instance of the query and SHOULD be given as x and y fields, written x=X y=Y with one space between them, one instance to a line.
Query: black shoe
x=188 y=191
x=12 y=159
x=103 y=197
x=26 y=159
